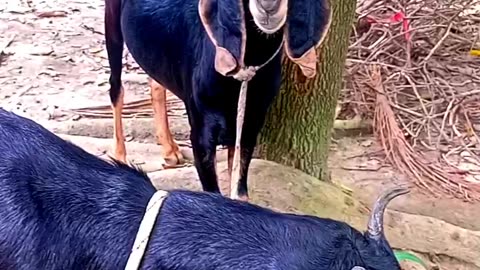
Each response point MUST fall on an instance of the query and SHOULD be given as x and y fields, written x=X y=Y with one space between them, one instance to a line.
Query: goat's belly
x=158 y=67
x=155 y=51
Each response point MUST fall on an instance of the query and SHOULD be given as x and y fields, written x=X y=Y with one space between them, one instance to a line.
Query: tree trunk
x=298 y=126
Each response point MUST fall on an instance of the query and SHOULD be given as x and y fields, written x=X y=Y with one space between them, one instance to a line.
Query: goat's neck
x=260 y=46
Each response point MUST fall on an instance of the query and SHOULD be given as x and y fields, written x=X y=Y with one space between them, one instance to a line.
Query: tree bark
x=299 y=122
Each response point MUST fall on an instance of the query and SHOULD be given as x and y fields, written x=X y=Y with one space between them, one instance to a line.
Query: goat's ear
x=224 y=22
x=308 y=22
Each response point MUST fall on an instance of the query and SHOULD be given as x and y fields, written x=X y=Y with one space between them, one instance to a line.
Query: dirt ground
x=51 y=64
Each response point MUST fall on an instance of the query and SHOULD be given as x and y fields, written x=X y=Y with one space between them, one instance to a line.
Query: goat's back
x=61 y=206
x=167 y=40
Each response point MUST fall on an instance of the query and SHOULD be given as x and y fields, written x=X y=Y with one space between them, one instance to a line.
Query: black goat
x=63 y=208
x=193 y=48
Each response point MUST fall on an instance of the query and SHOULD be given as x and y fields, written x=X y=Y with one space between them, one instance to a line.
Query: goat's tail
x=114 y=42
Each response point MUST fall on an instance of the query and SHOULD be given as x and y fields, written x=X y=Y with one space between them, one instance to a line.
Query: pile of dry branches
x=427 y=99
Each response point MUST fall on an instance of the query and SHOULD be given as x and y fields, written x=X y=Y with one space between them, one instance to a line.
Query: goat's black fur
x=63 y=208
x=168 y=40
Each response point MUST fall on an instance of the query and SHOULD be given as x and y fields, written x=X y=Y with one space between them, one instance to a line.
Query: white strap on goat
x=244 y=75
x=145 y=229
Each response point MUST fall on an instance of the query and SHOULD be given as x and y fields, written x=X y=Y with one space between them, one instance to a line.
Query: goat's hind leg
x=114 y=43
x=171 y=151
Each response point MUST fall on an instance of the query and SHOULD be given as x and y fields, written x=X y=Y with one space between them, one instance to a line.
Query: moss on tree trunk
x=298 y=125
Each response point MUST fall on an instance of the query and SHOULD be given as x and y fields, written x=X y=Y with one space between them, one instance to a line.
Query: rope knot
x=245 y=74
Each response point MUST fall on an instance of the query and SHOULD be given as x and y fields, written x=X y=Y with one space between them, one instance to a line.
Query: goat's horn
x=375 y=224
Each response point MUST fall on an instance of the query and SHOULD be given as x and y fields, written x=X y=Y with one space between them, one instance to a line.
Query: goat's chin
x=275 y=22
x=270 y=28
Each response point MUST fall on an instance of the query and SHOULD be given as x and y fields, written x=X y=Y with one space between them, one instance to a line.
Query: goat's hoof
x=242 y=198
x=122 y=157
x=173 y=159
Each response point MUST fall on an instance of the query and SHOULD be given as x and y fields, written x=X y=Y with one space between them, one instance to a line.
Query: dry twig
x=428 y=175
x=430 y=81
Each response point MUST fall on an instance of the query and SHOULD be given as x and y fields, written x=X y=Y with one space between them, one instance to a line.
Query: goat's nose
x=268 y=5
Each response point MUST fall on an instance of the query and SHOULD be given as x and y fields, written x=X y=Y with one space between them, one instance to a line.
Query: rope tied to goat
x=244 y=75
x=145 y=229
x=153 y=208
x=142 y=108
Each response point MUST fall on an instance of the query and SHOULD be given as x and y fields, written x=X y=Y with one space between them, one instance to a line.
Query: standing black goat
x=194 y=48
x=64 y=209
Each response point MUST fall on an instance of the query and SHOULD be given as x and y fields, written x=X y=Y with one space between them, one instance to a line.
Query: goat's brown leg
x=171 y=151
x=118 y=138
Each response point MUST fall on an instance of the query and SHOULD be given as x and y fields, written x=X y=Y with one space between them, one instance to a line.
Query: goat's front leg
x=171 y=151
x=230 y=154
x=246 y=153
x=204 y=152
